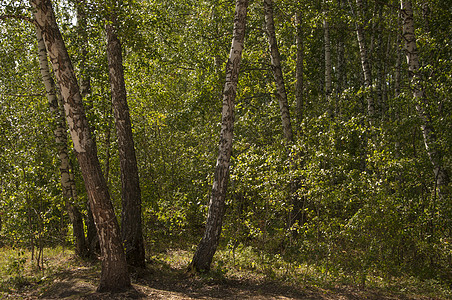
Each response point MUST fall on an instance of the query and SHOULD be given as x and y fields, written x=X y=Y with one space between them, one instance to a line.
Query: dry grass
x=241 y=275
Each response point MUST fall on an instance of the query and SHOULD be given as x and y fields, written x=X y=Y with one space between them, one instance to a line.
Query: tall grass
x=18 y=270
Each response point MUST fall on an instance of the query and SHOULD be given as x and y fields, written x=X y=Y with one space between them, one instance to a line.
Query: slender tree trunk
x=209 y=243
x=277 y=71
x=295 y=213
x=299 y=85
x=430 y=139
x=131 y=231
x=67 y=186
x=114 y=275
x=364 y=60
x=85 y=79
x=341 y=73
x=328 y=65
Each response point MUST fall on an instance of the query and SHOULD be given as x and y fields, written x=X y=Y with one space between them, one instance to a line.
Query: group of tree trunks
x=123 y=246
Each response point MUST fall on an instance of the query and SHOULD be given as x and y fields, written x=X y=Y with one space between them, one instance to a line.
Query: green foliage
x=367 y=200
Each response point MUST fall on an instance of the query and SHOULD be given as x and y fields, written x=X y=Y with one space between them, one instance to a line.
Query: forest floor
x=166 y=278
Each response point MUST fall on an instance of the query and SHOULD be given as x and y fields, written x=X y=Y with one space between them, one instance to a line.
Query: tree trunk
x=277 y=71
x=114 y=275
x=67 y=186
x=85 y=90
x=85 y=80
x=328 y=67
x=430 y=140
x=131 y=231
x=295 y=213
x=299 y=85
x=341 y=72
x=208 y=245
x=364 y=60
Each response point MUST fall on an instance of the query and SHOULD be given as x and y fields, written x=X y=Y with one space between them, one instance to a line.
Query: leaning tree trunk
x=277 y=71
x=131 y=231
x=67 y=186
x=430 y=139
x=114 y=275
x=208 y=245
x=295 y=213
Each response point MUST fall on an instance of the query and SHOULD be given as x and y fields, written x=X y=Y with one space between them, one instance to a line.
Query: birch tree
x=365 y=65
x=66 y=178
x=205 y=251
x=131 y=231
x=428 y=132
x=114 y=275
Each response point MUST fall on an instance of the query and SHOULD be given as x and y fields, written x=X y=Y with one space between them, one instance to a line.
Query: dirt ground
x=175 y=283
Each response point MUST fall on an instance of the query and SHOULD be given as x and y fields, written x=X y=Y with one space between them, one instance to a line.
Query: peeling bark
x=66 y=179
x=114 y=275
x=205 y=251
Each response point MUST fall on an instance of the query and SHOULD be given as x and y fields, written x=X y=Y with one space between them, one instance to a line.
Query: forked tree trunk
x=68 y=188
x=114 y=275
x=277 y=72
x=131 y=231
x=202 y=258
x=430 y=139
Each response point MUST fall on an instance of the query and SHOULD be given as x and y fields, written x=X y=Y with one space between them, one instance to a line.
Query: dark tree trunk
x=114 y=275
x=295 y=213
x=91 y=234
x=209 y=243
x=85 y=90
x=131 y=231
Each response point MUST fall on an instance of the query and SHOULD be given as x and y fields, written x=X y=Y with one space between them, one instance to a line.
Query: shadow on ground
x=161 y=281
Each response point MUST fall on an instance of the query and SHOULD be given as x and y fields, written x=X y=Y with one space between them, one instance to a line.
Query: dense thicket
x=366 y=193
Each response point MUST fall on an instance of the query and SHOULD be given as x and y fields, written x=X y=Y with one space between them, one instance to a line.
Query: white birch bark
x=364 y=60
x=66 y=178
x=209 y=243
x=114 y=275
x=430 y=139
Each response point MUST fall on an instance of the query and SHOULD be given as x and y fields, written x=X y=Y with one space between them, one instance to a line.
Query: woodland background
x=368 y=204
